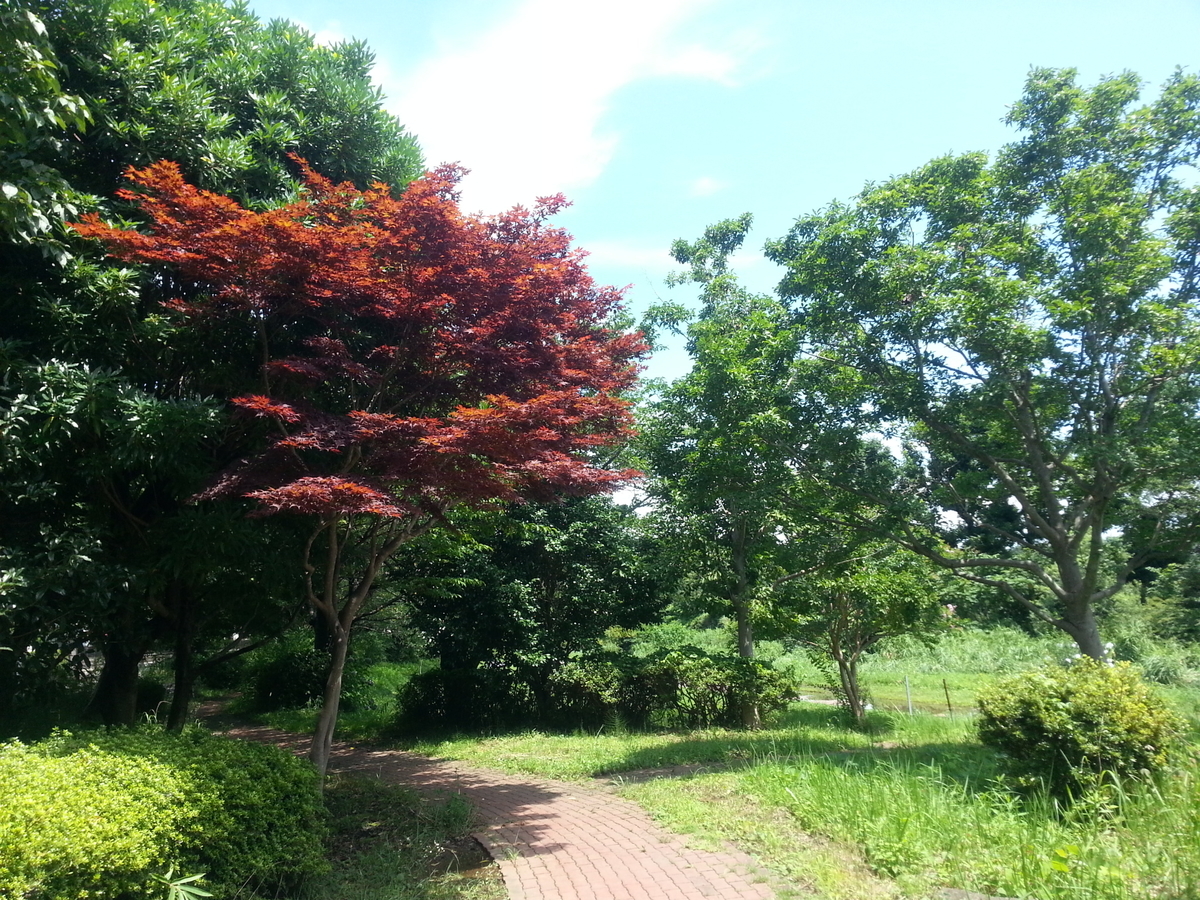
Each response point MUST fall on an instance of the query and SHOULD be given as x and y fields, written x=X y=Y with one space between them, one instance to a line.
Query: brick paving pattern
x=559 y=841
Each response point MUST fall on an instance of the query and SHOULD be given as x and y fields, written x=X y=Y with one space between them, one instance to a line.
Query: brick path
x=560 y=841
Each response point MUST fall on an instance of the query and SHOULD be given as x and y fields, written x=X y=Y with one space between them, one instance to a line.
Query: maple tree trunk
x=322 y=742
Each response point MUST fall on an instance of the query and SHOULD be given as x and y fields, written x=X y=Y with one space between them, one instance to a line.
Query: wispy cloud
x=705 y=186
x=521 y=104
x=627 y=254
x=328 y=35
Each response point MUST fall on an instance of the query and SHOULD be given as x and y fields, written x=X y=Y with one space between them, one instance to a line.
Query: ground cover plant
x=104 y=813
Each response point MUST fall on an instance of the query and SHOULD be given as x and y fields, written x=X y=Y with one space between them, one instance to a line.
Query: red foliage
x=416 y=356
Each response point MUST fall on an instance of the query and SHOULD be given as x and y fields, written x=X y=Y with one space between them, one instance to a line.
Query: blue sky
x=659 y=117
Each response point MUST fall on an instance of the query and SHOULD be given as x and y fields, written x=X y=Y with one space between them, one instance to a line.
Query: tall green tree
x=38 y=115
x=718 y=439
x=1026 y=327
x=112 y=414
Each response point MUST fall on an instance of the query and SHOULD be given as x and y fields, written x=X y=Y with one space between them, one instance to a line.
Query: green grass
x=805 y=729
x=909 y=807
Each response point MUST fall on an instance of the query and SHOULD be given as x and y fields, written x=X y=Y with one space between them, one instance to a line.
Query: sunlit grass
x=909 y=806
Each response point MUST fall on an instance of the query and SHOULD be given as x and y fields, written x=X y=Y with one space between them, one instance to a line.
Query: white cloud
x=705 y=186
x=699 y=62
x=328 y=35
x=620 y=253
x=521 y=103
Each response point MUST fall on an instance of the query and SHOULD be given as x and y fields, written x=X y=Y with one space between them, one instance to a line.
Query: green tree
x=718 y=439
x=1027 y=329
x=537 y=585
x=38 y=115
x=107 y=408
x=843 y=609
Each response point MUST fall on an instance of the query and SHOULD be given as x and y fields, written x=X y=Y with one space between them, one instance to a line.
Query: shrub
x=100 y=814
x=290 y=674
x=485 y=699
x=1070 y=728
x=684 y=688
x=90 y=824
x=691 y=689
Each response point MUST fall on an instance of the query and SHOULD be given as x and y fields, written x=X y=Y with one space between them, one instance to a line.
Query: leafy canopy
x=1027 y=328
x=415 y=357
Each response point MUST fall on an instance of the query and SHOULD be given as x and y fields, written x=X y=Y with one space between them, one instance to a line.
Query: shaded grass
x=390 y=844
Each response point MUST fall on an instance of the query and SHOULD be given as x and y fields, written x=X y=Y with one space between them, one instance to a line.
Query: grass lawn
x=907 y=807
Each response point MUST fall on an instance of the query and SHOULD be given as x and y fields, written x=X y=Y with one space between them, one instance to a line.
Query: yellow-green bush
x=1070 y=727
x=91 y=824
x=100 y=814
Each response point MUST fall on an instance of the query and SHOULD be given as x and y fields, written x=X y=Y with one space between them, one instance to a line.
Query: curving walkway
x=558 y=841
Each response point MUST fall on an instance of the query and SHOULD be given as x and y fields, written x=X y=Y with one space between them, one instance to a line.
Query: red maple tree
x=413 y=357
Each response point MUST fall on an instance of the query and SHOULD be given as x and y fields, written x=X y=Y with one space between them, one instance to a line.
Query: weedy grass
x=908 y=806
x=804 y=729
x=926 y=825
x=390 y=844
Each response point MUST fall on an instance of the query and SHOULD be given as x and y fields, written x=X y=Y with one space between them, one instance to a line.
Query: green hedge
x=101 y=814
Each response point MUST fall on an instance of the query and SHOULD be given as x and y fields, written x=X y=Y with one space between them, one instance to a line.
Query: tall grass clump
x=966 y=651
x=926 y=829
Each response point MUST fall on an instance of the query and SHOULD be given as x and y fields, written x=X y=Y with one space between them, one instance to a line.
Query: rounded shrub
x=1070 y=728
x=88 y=824
x=104 y=814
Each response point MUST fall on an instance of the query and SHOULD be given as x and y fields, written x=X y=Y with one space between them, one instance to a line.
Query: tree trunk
x=322 y=742
x=751 y=718
x=848 y=673
x=185 y=669
x=114 y=702
x=1080 y=623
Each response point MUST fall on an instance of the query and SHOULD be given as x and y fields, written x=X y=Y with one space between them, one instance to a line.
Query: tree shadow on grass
x=807 y=735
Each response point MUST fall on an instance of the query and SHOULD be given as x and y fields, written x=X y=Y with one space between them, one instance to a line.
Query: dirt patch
x=615 y=780
x=466 y=857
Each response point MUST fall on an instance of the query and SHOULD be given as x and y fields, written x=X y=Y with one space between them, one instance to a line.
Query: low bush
x=692 y=689
x=684 y=688
x=1072 y=727
x=107 y=813
x=486 y=699
x=290 y=674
